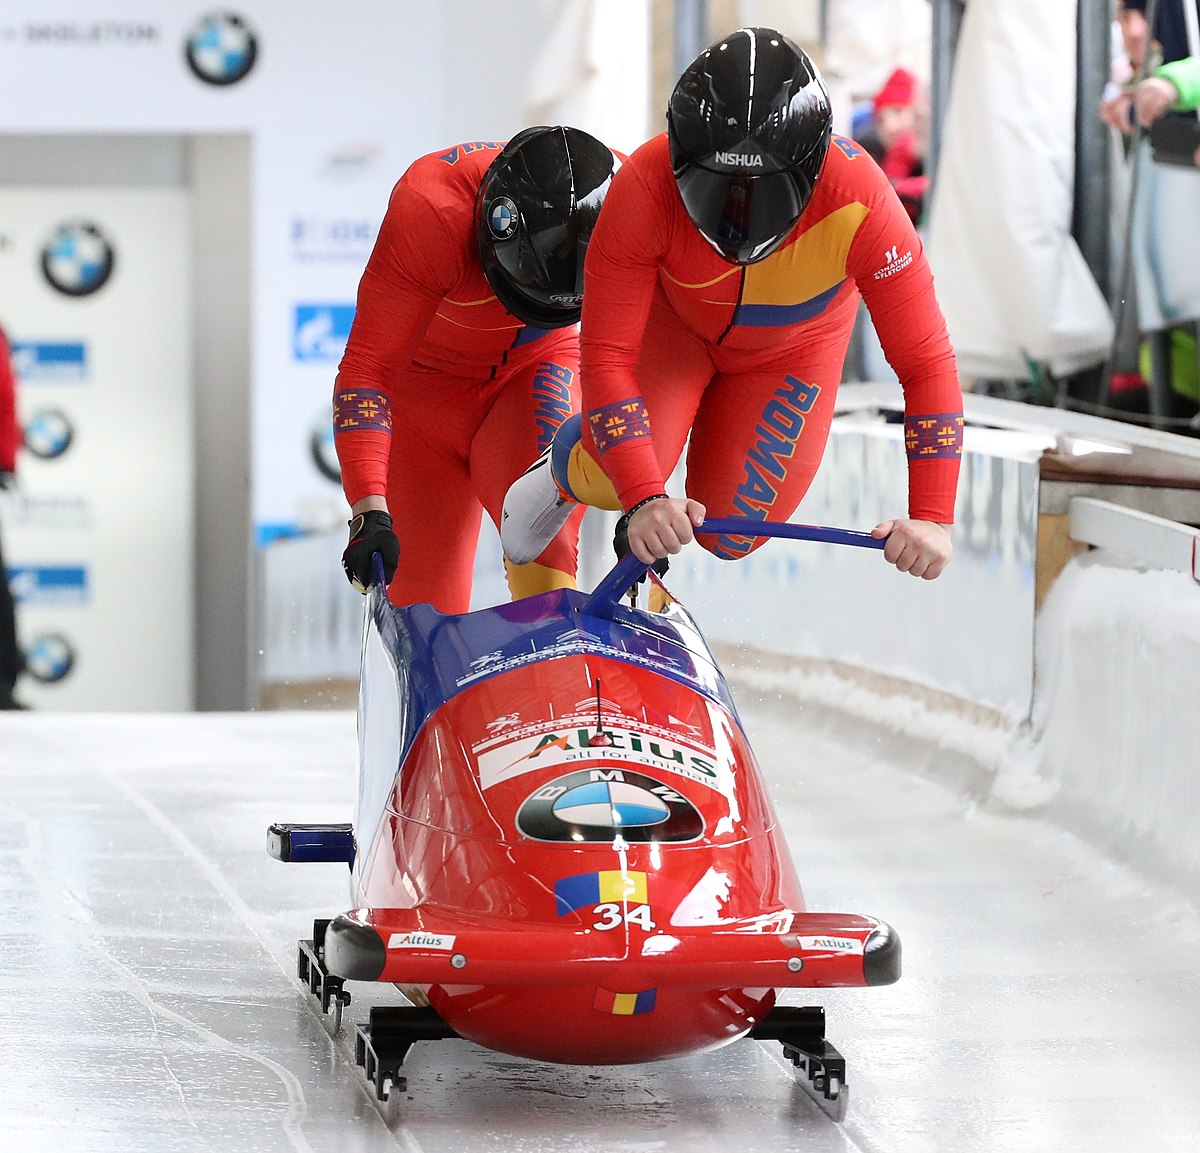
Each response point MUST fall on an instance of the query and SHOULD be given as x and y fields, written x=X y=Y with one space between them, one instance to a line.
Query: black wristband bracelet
x=643 y=503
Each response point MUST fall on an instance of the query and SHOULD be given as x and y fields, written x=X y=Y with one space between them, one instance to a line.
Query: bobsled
x=563 y=848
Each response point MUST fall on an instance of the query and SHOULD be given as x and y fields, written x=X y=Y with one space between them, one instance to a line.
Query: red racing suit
x=443 y=396
x=748 y=358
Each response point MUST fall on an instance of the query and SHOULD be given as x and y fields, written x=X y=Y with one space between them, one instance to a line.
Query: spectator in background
x=12 y=663
x=865 y=41
x=1134 y=34
x=898 y=137
x=1169 y=31
x=1174 y=87
x=1171 y=84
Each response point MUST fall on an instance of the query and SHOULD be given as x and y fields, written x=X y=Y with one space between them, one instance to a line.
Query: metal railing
x=1152 y=542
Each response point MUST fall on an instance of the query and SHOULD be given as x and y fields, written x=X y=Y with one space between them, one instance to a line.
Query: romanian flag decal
x=624 y=1004
x=585 y=890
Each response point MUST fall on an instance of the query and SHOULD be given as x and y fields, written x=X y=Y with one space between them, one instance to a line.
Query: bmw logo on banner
x=48 y=433
x=221 y=49
x=322 y=450
x=50 y=658
x=603 y=804
x=78 y=259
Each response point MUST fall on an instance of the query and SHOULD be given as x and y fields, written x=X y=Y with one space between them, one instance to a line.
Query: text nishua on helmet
x=739 y=159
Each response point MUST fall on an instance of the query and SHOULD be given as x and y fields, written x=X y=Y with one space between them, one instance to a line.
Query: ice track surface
x=1050 y=999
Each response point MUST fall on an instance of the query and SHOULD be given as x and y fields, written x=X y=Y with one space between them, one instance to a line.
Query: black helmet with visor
x=534 y=213
x=749 y=126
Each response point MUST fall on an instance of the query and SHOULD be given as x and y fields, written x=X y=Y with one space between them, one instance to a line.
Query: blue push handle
x=744 y=526
x=629 y=569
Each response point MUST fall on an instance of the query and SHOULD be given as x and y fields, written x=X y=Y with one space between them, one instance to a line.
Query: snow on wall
x=1115 y=708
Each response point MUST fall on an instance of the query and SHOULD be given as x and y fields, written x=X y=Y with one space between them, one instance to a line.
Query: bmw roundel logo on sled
x=502 y=220
x=78 y=259
x=603 y=804
x=221 y=49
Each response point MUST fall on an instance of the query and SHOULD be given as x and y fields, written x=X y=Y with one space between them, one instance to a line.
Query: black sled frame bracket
x=820 y=1067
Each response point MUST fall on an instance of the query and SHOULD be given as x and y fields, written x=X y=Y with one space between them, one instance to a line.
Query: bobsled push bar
x=628 y=569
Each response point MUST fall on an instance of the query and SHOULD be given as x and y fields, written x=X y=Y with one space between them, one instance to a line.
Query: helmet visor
x=745 y=218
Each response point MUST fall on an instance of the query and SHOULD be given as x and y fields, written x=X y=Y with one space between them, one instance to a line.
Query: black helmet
x=749 y=126
x=534 y=214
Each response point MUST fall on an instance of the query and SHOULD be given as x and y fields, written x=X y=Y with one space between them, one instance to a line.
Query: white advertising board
x=98 y=538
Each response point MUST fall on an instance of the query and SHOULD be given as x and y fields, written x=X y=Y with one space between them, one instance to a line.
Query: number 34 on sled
x=563 y=848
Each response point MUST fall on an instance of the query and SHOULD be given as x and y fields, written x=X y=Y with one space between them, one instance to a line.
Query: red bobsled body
x=564 y=841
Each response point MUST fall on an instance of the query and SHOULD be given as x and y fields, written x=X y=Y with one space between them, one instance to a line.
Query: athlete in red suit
x=721 y=288
x=463 y=357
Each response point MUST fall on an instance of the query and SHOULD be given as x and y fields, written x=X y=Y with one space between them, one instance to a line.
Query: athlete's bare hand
x=921 y=548
x=663 y=527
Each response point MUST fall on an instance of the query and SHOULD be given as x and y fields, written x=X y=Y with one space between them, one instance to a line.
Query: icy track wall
x=1082 y=711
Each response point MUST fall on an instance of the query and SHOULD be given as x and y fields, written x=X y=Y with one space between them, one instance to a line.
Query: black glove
x=370 y=533
x=7 y=480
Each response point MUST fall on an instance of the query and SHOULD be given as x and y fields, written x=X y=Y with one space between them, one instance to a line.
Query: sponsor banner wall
x=337 y=106
x=336 y=102
x=187 y=65
x=318 y=202
x=98 y=538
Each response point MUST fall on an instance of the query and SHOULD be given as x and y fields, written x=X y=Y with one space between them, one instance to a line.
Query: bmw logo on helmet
x=78 y=259
x=603 y=804
x=50 y=658
x=48 y=433
x=221 y=49
x=503 y=219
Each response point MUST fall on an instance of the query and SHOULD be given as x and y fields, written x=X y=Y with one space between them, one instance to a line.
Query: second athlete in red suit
x=463 y=358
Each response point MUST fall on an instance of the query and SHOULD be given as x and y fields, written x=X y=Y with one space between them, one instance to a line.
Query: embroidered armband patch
x=362 y=409
x=620 y=423
x=935 y=435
